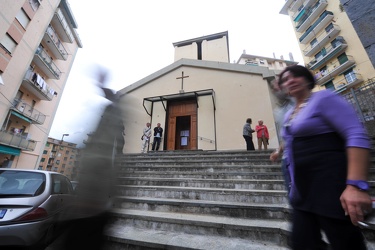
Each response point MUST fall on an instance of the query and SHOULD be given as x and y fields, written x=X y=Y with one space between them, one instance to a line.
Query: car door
x=62 y=191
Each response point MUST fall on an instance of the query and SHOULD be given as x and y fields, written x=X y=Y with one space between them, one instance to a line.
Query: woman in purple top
x=328 y=154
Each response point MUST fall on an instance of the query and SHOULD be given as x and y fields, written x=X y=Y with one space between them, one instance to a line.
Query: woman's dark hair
x=298 y=71
x=248 y=120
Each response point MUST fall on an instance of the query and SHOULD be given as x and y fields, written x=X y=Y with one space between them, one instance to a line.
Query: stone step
x=210 y=194
x=195 y=168
x=203 y=175
x=221 y=208
x=272 y=232
x=204 y=183
x=126 y=237
x=195 y=162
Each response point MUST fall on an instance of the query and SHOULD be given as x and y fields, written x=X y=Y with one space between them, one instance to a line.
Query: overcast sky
x=133 y=39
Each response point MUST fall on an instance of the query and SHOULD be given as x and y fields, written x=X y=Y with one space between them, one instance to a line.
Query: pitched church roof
x=265 y=72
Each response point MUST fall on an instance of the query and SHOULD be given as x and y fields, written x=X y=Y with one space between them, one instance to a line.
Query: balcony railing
x=54 y=44
x=319 y=24
x=16 y=140
x=321 y=40
x=336 y=67
x=348 y=81
x=338 y=46
x=44 y=61
x=62 y=27
x=37 y=86
x=28 y=111
x=310 y=15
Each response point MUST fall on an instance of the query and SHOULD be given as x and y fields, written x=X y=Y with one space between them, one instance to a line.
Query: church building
x=201 y=100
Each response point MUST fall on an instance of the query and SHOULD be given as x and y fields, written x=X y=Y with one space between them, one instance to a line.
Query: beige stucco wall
x=215 y=50
x=238 y=96
x=189 y=52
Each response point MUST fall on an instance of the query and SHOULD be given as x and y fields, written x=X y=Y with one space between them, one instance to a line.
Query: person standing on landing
x=158 y=134
x=247 y=134
x=146 y=137
x=262 y=135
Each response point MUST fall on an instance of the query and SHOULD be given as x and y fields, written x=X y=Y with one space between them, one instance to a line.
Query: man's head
x=158 y=125
x=148 y=124
x=260 y=122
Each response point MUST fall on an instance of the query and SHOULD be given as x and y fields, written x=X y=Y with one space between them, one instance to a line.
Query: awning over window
x=21 y=116
x=9 y=150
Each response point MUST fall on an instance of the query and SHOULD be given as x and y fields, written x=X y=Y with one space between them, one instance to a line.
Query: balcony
x=311 y=14
x=322 y=40
x=61 y=26
x=286 y=7
x=295 y=5
x=37 y=86
x=314 y=29
x=17 y=140
x=347 y=82
x=45 y=62
x=337 y=47
x=54 y=44
x=337 y=68
x=27 y=111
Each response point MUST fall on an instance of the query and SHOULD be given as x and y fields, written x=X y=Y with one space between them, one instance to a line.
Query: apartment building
x=330 y=45
x=38 y=45
x=60 y=156
x=274 y=63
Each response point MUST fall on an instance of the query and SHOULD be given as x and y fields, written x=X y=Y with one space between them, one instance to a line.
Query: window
x=43 y=160
x=22 y=18
x=45 y=152
x=58 y=162
x=350 y=76
x=8 y=44
x=313 y=42
x=61 y=185
x=319 y=56
x=329 y=28
x=329 y=85
x=342 y=58
x=34 y=4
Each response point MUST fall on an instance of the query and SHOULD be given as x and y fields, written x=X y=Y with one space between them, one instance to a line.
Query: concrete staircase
x=202 y=200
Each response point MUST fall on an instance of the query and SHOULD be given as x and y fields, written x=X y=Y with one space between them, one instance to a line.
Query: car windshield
x=21 y=183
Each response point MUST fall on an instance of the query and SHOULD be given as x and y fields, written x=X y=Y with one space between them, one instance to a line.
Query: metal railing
x=48 y=62
x=16 y=140
x=328 y=53
x=53 y=35
x=64 y=24
x=363 y=101
x=39 y=84
x=28 y=111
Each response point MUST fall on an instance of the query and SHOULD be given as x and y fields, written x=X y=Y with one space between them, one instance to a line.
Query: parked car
x=33 y=206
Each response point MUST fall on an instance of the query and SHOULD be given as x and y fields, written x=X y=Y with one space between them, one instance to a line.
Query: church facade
x=201 y=100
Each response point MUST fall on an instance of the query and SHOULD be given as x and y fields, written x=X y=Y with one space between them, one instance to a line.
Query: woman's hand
x=356 y=203
x=274 y=155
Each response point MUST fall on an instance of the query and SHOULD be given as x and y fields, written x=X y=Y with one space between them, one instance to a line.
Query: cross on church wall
x=182 y=81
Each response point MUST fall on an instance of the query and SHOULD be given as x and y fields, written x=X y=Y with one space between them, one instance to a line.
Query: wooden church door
x=182 y=125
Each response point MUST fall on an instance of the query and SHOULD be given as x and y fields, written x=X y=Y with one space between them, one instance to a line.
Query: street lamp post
x=62 y=138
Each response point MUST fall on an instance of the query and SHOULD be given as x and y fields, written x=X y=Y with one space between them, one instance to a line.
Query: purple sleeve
x=342 y=117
